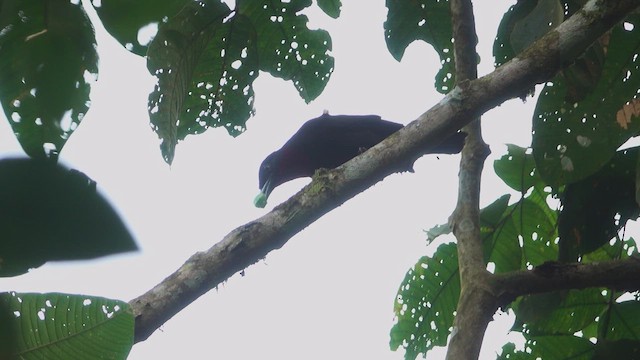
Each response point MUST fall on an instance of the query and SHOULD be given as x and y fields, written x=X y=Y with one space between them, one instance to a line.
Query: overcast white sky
x=329 y=292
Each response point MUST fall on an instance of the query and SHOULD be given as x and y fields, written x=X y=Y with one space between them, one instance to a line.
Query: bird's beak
x=260 y=200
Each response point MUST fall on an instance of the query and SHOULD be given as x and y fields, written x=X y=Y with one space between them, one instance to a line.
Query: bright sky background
x=329 y=292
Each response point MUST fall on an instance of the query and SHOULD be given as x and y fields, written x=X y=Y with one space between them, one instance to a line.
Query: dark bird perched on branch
x=328 y=142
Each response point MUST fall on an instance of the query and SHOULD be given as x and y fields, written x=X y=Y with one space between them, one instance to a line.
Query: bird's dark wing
x=330 y=141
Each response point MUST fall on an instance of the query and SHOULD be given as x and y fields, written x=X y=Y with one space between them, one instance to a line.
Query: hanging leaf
x=207 y=57
x=48 y=212
x=425 y=20
x=47 y=62
x=287 y=48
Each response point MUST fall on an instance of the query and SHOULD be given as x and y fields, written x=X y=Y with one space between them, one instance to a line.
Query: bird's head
x=267 y=178
x=279 y=167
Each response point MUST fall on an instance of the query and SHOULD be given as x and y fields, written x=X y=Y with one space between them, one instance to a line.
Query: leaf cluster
x=577 y=192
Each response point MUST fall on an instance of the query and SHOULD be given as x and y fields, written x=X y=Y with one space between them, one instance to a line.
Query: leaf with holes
x=619 y=326
x=205 y=64
x=551 y=347
x=287 y=48
x=499 y=245
x=207 y=57
x=68 y=327
x=572 y=140
x=559 y=312
x=517 y=169
x=47 y=62
x=426 y=302
x=126 y=20
x=426 y=20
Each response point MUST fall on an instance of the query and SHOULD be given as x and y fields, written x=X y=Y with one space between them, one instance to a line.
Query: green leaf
x=517 y=169
x=618 y=349
x=526 y=234
x=563 y=313
x=621 y=324
x=189 y=56
x=537 y=226
x=47 y=61
x=572 y=140
x=287 y=48
x=546 y=15
x=8 y=333
x=426 y=302
x=207 y=57
x=596 y=208
x=330 y=7
x=526 y=14
x=558 y=347
x=500 y=246
x=67 y=327
x=426 y=20
x=48 y=212
x=124 y=19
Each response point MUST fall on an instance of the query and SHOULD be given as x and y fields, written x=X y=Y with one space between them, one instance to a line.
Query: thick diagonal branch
x=251 y=242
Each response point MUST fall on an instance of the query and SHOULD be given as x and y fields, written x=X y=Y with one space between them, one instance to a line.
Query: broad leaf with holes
x=207 y=57
x=68 y=327
x=47 y=62
x=573 y=139
x=287 y=48
x=563 y=347
x=125 y=20
x=426 y=302
x=425 y=20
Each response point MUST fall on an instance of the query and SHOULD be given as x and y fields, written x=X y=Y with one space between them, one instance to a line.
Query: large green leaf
x=48 y=212
x=124 y=19
x=596 y=208
x=426 y=302
x=498 y=233
x=524 y=23
x=207 y=57
x=565 y=347
x=573 y=139
x=617 y=349
x=206 y=67
x=287 y=48
x=622 y=323
x=426 y=20
x=533 y=19
x=47 y=61
x=530 y=222
x=559 y=312
x=69 y=327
